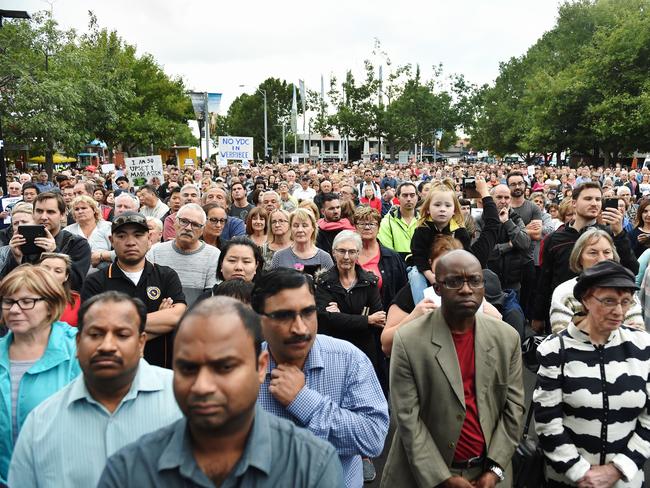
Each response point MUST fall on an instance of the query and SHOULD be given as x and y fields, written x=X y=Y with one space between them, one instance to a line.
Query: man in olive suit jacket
x=456 y=389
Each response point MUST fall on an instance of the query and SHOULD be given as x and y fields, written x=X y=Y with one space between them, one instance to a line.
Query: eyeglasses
x=279 y=222
x=185 y=223
x=23 y=303
x=456 y=282
x=218 y=221
x=369 y=225
x=288 y=316
x=611 y=303
x=346 y=252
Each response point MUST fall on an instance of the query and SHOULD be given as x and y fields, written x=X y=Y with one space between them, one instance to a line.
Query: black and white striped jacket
x=597 y=411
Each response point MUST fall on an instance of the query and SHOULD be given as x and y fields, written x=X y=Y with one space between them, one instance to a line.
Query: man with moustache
x=321 y=383
x=223 y=439
x=456 y=388
x=104 y=409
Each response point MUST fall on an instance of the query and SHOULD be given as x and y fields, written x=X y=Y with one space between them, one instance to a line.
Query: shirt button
x=451 y=445
x=459 y=417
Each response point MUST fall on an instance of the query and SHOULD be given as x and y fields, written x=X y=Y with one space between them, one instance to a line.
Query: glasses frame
x=17 y=302
x=464 y=280
x=289 y=316
x=215 y=221
x=189 y=223
x=612 y=307
x=353 y=253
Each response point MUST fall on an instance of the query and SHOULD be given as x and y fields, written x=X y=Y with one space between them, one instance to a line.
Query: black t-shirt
x=404 y=299
x=240 y=212
x=156 y=283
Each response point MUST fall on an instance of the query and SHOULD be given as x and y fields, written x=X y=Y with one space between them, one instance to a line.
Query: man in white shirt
x=305 y=192
x=152 y=206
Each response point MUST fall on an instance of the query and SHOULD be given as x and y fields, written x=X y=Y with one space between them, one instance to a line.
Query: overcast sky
x=217 y=46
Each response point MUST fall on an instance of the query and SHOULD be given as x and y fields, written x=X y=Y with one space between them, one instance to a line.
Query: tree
x=246 y=115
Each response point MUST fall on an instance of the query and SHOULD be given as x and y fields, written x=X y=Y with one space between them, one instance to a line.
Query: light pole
x=266 y=133
x=7 y=14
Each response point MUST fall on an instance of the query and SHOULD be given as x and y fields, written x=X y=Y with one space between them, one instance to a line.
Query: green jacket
x=396 y=234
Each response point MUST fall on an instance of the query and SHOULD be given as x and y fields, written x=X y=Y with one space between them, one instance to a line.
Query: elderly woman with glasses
x=592 y=247
x=591 y=399
x=349 y=302
x=279 y=236
x=37 y=356
x=384 y=263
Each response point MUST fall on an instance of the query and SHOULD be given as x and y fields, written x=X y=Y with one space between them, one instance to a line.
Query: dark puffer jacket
x=350 y=324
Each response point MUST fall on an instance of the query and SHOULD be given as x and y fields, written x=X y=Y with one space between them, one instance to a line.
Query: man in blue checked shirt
x=323 y=384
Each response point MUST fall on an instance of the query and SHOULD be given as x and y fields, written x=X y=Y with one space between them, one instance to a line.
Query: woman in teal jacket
x=37 y=356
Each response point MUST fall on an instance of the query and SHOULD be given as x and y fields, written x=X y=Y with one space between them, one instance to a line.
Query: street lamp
x=266 y=134
x=7 y=14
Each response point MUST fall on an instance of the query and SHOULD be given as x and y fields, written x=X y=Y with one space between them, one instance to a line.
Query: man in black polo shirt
x=157 y=286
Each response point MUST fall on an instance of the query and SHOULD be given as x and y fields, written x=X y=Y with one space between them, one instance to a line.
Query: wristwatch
x=496 y=469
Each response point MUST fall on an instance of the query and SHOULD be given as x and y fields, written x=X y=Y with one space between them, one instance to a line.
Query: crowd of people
x=261 y=325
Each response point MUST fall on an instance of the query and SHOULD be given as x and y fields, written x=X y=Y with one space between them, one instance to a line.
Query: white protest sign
x=8 y=204
x=141 y=170
x=234 y=147
x=107 y=168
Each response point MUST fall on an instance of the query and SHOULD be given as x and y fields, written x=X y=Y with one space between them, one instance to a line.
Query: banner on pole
x=234 y=147
x=141 y=170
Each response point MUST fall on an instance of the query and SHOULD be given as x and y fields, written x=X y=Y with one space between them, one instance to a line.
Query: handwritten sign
x=141 y=170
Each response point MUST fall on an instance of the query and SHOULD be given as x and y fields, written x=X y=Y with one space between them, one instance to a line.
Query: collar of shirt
x=178 y=453
x=114 y=270
x=145 y=380
x=580 y=335
x=55 y=353
x=314 y=358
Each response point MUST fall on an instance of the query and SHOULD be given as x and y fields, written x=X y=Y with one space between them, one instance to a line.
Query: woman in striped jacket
x=592 y=389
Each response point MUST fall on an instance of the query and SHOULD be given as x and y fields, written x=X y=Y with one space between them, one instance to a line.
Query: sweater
x=591 y=404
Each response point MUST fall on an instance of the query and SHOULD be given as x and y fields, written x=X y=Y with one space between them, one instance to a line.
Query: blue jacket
x=234 y=227
x=56 y=368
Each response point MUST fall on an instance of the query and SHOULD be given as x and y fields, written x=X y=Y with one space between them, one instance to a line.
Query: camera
x=469 y=183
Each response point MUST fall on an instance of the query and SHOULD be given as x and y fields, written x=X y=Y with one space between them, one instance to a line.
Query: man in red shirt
x=456 y=388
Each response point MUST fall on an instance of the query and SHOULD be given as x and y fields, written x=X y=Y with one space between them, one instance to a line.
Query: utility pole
x=266 y=128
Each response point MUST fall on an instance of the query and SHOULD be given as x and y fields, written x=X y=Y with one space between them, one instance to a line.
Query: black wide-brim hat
x=606 y=274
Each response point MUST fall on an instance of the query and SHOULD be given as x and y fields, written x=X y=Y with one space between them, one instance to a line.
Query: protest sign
x=233 y=147
x=107 y=168
x=141 y=170
x=7 y=204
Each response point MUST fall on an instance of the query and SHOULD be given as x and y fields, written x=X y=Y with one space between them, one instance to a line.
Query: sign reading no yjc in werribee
x=141 y=170
x=233 y=147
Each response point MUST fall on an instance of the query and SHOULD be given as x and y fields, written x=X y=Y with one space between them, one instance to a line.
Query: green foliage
x=583 y=85
x=59 y=90
x=246 y=116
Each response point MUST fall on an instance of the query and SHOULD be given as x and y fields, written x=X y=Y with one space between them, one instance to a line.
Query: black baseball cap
x=606 y=274
x=133 y=218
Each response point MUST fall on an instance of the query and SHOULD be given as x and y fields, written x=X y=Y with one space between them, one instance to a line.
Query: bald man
x=457 y=395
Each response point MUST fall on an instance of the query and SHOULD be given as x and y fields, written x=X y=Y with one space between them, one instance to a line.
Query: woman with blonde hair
x=90 y=225
x=21 y=214
x=303 y=253
x=37 y=356
x=311 y=206
x=279 y=236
